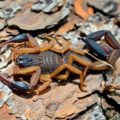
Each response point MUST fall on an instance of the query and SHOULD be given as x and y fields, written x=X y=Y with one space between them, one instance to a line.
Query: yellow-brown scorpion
x=48 y=61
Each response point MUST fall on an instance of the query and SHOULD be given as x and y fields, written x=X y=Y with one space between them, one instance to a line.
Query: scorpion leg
x=66 y=46
x=50 y=46
x=58 y=41
x=71 y=59
x=17 y=52
x=62 y=77
x=35 y=48
x=34 y=70
x=46 y=82
x=71 y=69
x=82 y=62
x=32 y=42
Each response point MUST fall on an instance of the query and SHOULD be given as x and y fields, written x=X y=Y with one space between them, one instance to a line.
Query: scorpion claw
x=19 y=38
x=20 y=86
x=15 y=85
x=109 y=38
x=97 y=35
x=96 y=48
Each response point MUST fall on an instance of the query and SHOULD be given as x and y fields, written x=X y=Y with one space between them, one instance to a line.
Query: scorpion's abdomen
x=49 y=61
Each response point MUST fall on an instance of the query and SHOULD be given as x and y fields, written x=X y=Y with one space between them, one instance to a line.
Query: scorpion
x=57 y=59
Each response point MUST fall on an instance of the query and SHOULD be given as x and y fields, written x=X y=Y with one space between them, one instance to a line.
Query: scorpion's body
x=48 y=61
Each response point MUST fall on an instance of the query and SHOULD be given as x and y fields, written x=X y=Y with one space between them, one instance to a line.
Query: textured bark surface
x=70 y=20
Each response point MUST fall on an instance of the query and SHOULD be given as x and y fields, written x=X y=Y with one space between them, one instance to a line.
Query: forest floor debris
x=71 y=19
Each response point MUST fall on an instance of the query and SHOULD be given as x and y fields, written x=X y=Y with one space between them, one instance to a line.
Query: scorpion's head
x=24 y=60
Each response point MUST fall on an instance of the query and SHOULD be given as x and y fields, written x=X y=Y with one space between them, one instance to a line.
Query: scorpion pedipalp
x=97 y=36
x=20 y=86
